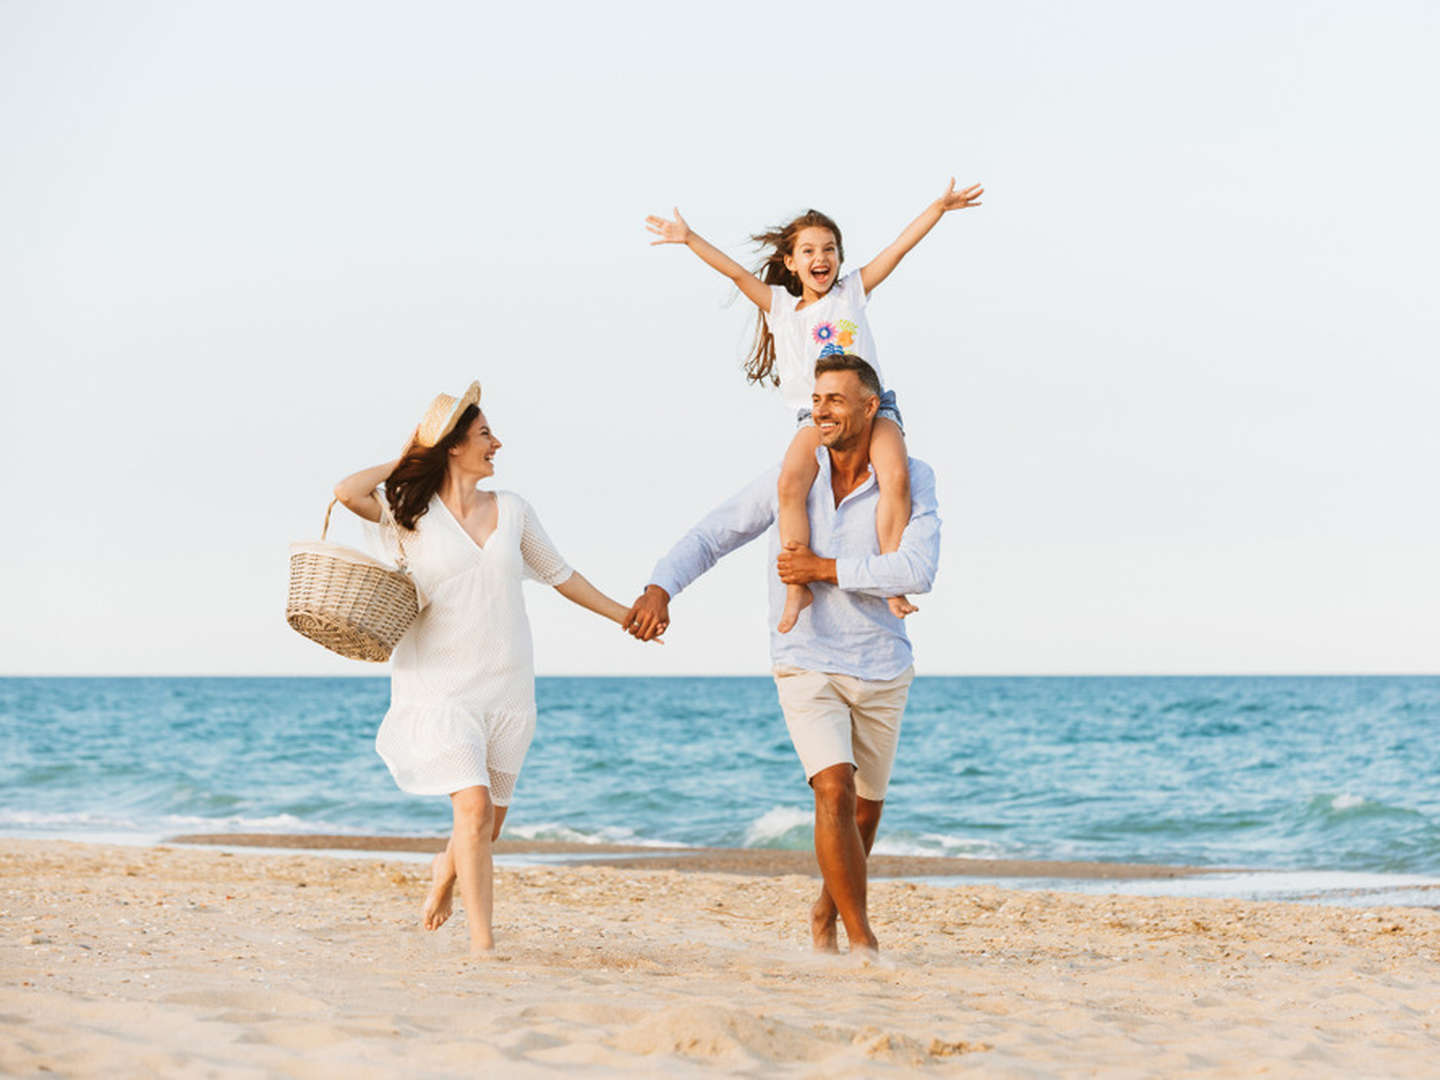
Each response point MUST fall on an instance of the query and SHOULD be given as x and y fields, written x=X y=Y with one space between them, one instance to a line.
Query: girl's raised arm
x=678 y=232
x=879 y=268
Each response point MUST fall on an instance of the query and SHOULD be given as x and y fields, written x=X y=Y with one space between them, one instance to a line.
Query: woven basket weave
x=345 y=600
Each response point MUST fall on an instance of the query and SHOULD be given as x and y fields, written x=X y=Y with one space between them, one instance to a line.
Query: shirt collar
x=822 y=455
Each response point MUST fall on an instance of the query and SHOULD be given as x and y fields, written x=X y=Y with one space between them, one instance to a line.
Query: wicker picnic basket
x=347 y=601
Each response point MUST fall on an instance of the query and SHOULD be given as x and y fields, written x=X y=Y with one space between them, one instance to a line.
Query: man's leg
x=840 y=851
x=876 y=709
x=822 y=916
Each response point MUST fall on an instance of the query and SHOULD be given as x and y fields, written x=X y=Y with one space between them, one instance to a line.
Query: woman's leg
x=470 y=839
x=892 y=473
x=797 y=474
x=441 y=899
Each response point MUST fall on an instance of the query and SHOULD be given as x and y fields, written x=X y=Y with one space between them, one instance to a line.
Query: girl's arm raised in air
x=678 y=232
x=879 y=268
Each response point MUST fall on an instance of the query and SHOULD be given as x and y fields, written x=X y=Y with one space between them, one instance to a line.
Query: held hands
x=959 y=200
x=673 y=232
x=798 y=565
x=649 y=616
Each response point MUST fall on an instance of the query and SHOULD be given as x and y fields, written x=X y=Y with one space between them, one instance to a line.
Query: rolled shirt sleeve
x=911 y=569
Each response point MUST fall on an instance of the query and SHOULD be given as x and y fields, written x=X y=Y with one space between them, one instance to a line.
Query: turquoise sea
x=1329 y=774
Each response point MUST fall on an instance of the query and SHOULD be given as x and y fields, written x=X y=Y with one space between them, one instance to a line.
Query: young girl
x=807 y=310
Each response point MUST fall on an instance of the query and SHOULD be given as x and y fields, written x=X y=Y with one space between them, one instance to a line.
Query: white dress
x=462 y=679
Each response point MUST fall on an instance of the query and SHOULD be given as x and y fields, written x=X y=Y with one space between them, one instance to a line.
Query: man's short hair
x=850 y=362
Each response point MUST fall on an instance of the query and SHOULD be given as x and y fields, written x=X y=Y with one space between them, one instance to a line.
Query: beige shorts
x=835 y=719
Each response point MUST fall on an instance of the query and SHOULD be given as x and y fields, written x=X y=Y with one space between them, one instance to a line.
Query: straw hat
x=442 y=415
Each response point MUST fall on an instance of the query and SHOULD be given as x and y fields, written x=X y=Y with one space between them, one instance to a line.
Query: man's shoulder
x=921 y=472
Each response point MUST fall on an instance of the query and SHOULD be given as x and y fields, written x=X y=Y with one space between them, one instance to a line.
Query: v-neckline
x=466 y=532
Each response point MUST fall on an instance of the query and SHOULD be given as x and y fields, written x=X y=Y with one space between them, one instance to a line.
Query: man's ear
x=872 y=406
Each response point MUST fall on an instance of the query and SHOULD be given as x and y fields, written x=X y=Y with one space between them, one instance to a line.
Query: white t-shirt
x=832 y=325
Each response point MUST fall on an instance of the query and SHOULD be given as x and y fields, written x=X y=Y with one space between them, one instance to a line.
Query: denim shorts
x=888 y=409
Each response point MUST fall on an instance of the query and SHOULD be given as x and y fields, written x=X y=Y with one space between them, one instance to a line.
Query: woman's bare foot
x=482 y=945
x=440 y=901
x=900 y=606
x=822 y=927
x=797 y=599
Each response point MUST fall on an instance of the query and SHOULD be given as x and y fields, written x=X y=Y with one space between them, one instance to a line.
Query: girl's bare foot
x=900 y=606
x=797 y=599
x=440 y=901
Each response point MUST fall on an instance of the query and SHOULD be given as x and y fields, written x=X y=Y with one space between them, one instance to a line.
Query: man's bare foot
x=440 y=901
x=865 y=955
x=900 y=606
x=797 y=599
x=822 y=927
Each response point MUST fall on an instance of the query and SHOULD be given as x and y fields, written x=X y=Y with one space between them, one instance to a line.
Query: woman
x=462 y=685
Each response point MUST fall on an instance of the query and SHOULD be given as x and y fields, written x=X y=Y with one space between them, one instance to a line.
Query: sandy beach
x=176 y=961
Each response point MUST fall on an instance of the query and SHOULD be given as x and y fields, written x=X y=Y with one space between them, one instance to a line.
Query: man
x=844 y=672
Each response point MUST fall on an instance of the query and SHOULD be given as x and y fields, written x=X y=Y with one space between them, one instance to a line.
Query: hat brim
x=427 y=433
x=463 y=402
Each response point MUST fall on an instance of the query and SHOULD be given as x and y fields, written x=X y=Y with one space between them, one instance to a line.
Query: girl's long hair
x=415 y=480
x=760 y=366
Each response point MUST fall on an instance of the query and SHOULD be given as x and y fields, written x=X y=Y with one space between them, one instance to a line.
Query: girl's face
x=475 y=454
x=815 y=259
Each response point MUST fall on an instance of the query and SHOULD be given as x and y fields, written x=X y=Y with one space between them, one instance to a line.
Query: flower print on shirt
x=847 y=333
x=825 y=335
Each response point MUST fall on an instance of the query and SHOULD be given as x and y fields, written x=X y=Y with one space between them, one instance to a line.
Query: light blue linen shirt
x=849 y=628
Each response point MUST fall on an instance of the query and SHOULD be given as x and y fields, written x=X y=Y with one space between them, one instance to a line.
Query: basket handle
x=386 y=518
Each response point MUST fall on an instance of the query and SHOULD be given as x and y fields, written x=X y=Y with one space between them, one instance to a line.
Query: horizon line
x=381 y=674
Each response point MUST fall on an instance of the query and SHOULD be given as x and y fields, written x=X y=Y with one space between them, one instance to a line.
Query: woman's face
x=476 y=452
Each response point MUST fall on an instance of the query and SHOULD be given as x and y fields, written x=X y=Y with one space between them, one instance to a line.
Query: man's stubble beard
x=846 y=444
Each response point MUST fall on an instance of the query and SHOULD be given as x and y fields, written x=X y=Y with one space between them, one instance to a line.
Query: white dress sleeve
x=380 y=535
x=542 y=562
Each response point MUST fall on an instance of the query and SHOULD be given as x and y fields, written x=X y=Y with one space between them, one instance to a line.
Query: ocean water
x=1297 y=774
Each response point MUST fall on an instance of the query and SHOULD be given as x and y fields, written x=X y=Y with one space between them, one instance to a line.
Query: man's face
x=842 y=409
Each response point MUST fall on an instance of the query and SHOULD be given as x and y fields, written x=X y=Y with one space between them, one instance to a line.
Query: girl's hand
x=959 y=200
x=674 y=232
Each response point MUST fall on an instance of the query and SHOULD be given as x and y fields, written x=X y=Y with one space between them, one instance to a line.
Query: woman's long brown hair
x=781 y=240
x=415 y=480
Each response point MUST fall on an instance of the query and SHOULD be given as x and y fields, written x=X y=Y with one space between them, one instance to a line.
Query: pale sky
x=1178 y=376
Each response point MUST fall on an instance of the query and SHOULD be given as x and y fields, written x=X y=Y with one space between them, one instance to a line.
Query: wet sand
x=184 y=961
x=764 y=862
